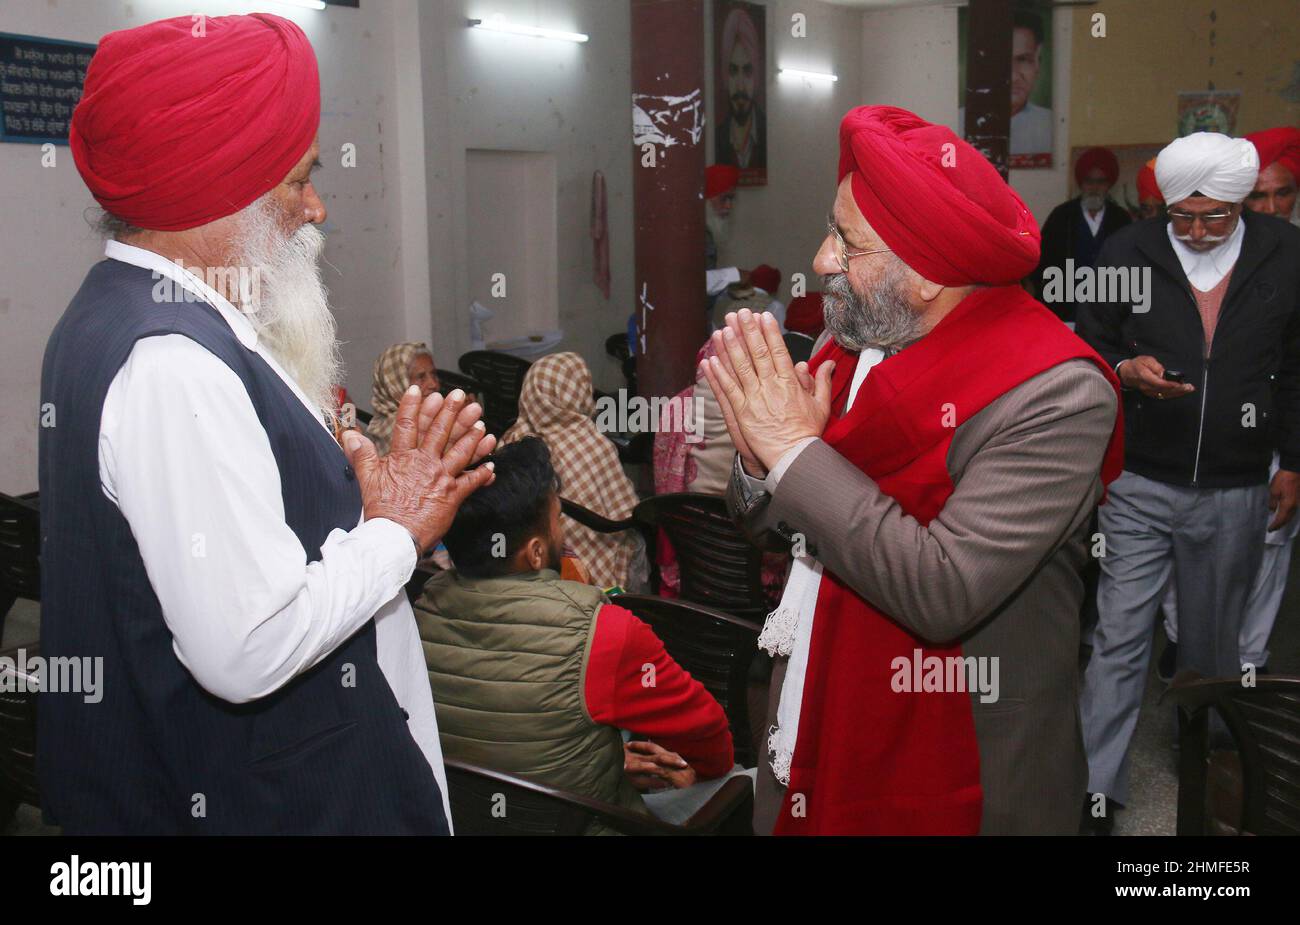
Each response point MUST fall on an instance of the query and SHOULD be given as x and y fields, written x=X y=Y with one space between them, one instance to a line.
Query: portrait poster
x=1031 y=86
x=1208 y=111
x=740 y=88
x=1131 y=158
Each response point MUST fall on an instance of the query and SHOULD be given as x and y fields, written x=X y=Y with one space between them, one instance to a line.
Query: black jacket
x=1247 y=398
x=1060 y=242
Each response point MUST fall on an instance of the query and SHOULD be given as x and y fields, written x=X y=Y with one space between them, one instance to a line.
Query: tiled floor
x=1153 y=777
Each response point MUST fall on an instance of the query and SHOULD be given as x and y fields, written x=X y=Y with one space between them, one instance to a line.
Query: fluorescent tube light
x=500 y=24
x=811 y=75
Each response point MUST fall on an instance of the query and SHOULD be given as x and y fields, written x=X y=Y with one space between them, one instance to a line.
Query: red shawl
x=869 y=760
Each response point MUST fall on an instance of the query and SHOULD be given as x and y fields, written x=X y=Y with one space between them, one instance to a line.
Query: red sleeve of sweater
x=633 y=683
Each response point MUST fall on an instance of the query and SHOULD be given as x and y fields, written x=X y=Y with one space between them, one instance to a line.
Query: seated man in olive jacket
x=536 y=676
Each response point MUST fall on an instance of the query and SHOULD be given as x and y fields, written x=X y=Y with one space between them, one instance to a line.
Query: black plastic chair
x=20 y=551
x=616 y=346
x=17 y=746
x=1258 y=786
x=719 y=567
x=449 y=381
x=488 y=802
x=501 y=379
x=714 y=647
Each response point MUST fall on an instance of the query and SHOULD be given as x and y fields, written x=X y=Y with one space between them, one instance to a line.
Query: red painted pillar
x=667 y=191
x=988 y=80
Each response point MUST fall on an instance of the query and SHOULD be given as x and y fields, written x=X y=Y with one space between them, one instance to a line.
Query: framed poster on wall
x=740 y=88
x=1031 y=86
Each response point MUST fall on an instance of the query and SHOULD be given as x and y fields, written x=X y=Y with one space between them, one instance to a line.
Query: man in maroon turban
x=933 y=469
x=1076 y=229
x=1279 y=172
x=203 y=534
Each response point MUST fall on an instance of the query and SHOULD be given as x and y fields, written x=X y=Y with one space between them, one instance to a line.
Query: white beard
x=718 y=226
x=288 y=303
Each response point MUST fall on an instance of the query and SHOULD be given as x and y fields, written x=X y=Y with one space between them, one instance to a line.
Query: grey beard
x=290 y=307
x=880 y=318
x=1093 y=202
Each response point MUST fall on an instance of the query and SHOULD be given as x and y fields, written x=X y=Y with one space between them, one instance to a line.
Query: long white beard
x=718 y=226
x=289 y=304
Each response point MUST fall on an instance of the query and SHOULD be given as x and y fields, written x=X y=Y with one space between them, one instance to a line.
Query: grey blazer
x=998 y=569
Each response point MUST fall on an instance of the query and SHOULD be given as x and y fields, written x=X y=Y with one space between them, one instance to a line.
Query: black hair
x=1028 y=19
x=515 y=508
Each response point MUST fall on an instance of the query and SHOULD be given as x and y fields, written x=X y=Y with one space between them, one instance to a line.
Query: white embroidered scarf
x=788 y=629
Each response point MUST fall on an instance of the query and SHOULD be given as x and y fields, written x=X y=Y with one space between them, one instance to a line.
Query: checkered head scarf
x=392 y=379
x=556 y=404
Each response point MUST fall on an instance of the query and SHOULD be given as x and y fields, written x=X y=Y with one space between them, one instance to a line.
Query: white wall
x=512 y=93
x=783 y=223
x=47 y=246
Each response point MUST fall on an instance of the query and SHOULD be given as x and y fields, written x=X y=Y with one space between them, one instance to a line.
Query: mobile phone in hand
x=1174 y=375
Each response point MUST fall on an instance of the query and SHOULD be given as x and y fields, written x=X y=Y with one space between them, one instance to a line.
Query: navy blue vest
x=159 y=754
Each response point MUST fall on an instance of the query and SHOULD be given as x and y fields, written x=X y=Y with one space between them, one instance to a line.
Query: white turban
x=1208 y=163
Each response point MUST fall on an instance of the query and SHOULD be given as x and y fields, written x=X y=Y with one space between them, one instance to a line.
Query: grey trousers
x=1213 y=537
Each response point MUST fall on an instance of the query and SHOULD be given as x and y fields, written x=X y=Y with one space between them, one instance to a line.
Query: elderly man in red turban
x=1279 y=172
x=1076 y=229
x=933 y=469
x=240 y=576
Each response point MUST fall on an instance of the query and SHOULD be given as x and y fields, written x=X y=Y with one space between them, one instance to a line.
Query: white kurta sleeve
x=715 y=281
x=185 y=458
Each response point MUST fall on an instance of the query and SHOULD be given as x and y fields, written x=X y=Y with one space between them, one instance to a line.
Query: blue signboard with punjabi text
x=40 y=84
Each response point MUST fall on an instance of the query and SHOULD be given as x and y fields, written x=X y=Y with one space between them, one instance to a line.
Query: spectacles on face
x=842 y=248
x=1213 y=221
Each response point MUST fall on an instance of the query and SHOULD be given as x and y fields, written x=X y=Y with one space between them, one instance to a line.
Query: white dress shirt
x=1206 y=269
x=184 y=457
x=1094 y=221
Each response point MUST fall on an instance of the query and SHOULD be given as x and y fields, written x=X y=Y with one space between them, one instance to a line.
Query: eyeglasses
x=1212 y=220
x=842 y=248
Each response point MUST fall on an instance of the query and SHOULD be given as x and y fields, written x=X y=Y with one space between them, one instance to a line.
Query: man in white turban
x=1211 y=370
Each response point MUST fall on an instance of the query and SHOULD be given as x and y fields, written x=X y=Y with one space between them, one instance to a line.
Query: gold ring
x=1159 y=395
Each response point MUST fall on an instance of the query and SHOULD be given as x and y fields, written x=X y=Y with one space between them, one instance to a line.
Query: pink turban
x=183 y=121
x=934 y=200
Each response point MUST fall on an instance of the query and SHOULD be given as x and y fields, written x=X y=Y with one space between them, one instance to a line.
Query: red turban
x=934 y=200
x=805 y=315
x=1146 y=183
x=719 y=179
x=1102 y=159
x=183 y=121
x=1278 y=146
x=766 y=278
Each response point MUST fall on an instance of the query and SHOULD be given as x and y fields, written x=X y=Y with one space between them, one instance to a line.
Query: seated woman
x=397 y=369
x=556 y=404
x=704 y=466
